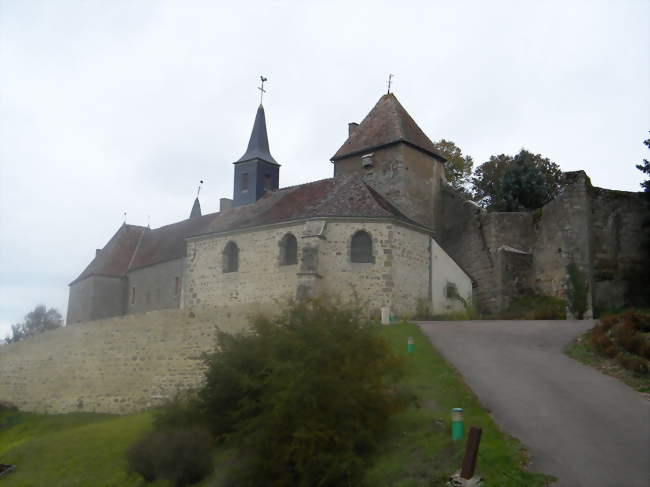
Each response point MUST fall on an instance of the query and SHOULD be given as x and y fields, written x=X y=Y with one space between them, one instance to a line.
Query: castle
x=386 y=230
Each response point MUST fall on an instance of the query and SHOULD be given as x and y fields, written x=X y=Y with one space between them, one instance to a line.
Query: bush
x=182 y=457
x=633 y=363
x=7 y=406
x=624 y=336
x=304 y=397
x=180 y=412
x=577 y=291
x=535 y=307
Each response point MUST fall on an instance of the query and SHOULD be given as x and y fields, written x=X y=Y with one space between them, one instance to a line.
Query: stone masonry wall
x=117 y=365
x=155 y=287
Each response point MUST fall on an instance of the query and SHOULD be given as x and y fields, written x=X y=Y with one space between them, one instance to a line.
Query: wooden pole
x=471 y=453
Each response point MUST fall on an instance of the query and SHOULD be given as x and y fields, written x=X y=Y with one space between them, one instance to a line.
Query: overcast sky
x=114 y=106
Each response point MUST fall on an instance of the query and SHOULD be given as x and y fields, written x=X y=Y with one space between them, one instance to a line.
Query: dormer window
x=245 y=182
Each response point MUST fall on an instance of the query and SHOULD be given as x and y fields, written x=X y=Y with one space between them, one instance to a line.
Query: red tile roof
x=135 y=247
x=387 y=123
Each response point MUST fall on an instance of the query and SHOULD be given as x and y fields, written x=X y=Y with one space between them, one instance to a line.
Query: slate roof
x=135 y=247
x=258 y=144
x=387 y=123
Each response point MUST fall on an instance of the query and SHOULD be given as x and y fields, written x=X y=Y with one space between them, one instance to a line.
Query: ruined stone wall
x=620 y=248
x=117 y=365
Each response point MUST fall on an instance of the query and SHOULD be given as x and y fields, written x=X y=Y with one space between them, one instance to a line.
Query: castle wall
x=96 y=297
x=621 y=247
x=155 y=287
x=117 y=365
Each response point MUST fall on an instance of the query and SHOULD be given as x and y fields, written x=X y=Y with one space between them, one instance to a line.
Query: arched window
x=288 y=250
x=361 y=247
x=231 y=257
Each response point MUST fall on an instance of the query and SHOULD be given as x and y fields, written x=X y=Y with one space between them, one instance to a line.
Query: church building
x=385 y=231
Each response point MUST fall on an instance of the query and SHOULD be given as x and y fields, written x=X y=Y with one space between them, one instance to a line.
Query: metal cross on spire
x=390 y=79
x=261 y=88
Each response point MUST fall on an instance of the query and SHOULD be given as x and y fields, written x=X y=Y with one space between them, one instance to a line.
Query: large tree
x=38 y=320
x=458 y=168
x=645 y=169
x=523 y=182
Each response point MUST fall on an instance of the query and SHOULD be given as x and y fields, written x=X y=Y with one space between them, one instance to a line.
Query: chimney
x=352 y=127
x=225 y=204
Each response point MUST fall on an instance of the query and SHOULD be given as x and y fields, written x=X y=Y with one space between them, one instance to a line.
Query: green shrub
x=180 y=412
x=535 y=307
x=7 y=406
x=182 y=457
x=304 y=397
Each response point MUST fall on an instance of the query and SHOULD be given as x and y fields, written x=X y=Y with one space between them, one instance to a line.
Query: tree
x=523 y=182
x=458 y=168
x=645 y=169
x=36 y=321
x=304 y=397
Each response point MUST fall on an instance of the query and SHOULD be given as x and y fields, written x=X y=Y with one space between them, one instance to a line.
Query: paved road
x=586 y=428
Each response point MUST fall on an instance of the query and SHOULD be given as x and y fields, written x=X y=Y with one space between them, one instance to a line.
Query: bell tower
x=256 y=172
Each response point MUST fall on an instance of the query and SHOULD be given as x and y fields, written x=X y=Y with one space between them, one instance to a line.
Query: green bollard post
x=457 y=424
x=410 y=345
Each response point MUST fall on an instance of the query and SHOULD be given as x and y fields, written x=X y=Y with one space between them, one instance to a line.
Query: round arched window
x=361 y=247
x=231 y=257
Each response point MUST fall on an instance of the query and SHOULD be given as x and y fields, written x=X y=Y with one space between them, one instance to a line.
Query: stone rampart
x=117 y=365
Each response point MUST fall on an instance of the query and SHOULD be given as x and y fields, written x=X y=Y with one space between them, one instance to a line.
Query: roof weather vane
x=261 y=88
x=390 y=80
x=198 y=190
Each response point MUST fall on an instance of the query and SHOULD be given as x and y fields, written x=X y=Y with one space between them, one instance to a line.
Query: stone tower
x=396 y=158
x=256 y=171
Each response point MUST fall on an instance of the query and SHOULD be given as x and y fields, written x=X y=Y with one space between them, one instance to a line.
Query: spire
x=387 y=123
x=196 y=208
x=258 y=145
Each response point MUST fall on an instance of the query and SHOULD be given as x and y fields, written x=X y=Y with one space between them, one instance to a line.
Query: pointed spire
x=196 y=208
x=258 y=145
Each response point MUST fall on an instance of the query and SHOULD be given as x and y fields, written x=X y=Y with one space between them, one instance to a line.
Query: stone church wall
x=117 y=365
x=155 y=287
x=96 y=297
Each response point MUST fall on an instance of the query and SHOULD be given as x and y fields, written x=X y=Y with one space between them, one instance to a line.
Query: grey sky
x=117 y=106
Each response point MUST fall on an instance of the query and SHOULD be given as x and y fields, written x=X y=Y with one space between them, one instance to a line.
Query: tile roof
x=347 y=196
x=387 y=123
x=114 y=259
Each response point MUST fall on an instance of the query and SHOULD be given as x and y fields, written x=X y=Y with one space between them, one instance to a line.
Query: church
x=386 y=231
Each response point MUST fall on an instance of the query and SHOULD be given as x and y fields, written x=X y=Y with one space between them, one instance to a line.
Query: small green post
x=410 y=345
x=457 y=424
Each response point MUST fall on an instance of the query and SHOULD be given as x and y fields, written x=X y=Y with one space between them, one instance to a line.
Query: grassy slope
x=84 y=449
x=582 y=350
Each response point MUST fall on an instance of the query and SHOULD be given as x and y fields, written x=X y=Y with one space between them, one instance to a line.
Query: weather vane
x=198 y=190
x=125 y=217
x=261 y=88
x=390 y=79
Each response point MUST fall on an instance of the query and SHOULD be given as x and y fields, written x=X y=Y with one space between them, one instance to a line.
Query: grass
x=85 y=449
x=583 y=351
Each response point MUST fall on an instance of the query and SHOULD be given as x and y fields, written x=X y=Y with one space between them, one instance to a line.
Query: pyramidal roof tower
x=388 y=123
x=256 y=172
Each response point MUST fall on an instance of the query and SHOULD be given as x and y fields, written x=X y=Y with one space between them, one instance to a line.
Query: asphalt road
x=586 y=428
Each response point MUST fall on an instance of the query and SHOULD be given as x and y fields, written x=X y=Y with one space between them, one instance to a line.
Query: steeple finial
x=390 y=80
x=261 y=88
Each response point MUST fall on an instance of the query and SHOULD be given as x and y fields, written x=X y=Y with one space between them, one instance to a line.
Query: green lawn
x=84 y=449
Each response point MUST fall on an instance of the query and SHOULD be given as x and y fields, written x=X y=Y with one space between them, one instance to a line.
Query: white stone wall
x=155 y=287
x=444 y=270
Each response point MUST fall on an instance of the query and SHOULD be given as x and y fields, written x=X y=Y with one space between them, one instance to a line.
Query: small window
x=361 y=247
x=231 y=257
x=132 y=295
x=245 y=182
x=268 y=182
x=451 y=291
x=288 y=250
